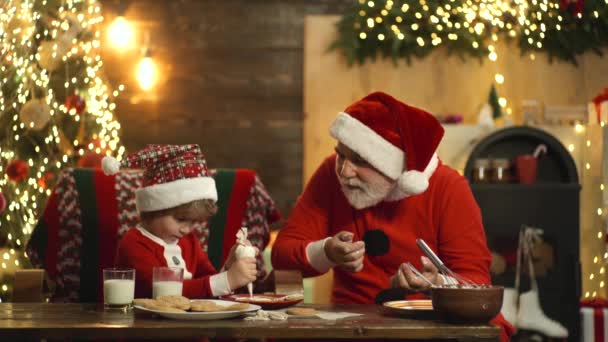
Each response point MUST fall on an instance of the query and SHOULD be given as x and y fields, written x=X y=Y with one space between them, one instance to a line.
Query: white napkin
x=332 y=316
x=262 y=315
x=336 y=315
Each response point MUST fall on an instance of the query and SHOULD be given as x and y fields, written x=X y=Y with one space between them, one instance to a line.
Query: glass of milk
x=167 y=281
x=118 y=288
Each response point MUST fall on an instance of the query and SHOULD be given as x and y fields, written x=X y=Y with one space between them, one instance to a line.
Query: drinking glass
x=118 y=288
x=167 y=281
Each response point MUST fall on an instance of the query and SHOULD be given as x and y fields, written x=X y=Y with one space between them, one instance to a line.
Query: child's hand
x=233 y=255
x=242 y=272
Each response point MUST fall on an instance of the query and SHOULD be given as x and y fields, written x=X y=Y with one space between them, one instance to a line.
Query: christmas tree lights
x=56 y=109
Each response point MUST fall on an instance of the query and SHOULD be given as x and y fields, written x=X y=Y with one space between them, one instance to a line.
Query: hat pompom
x=413 y=182
x=110 y=165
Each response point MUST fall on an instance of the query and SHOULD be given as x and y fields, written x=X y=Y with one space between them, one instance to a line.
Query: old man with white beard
x=365 y=206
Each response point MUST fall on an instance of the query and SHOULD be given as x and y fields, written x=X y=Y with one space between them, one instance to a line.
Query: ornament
x=90 y=160
x=35 y=114
x=45 y=180
x=17 y=170
x=75 y=103
x=2 y=203
x=75 y=27
x=576 y=7
x=52 y=52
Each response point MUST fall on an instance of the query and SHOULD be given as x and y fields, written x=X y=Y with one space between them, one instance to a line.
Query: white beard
x=366 y=194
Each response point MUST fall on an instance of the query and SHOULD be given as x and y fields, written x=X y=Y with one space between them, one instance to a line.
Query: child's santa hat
x=398 y=140
x=173 y=175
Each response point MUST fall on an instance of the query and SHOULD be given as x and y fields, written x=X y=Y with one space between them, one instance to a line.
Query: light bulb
x=120 y=33
x=146 y=73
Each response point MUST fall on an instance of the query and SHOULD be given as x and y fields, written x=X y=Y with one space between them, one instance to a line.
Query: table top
x=91 y=321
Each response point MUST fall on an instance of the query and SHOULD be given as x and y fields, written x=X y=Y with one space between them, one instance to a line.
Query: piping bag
x=243 y=250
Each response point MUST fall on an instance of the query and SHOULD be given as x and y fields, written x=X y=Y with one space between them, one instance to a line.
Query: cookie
x=143 y=301
x=205 y=306
x=237 y=307
x=302 y=311
x=161 y=307
x=179 y=302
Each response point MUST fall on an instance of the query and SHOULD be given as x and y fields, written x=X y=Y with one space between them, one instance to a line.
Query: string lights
x=413 y=28
x=55 y=107
x=597 y=273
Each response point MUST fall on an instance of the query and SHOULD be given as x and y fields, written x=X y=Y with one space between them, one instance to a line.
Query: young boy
x=177 y=194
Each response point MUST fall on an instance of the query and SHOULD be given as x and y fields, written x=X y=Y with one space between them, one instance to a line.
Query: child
x=177 y=194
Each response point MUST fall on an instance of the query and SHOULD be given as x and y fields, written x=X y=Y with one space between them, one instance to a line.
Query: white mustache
x=352 y=182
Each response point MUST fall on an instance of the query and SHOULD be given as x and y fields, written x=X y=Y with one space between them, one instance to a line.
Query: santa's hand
x=242 y=272
x=347 y=254
x=407 y=279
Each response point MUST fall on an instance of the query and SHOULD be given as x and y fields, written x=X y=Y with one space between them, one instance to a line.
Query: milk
x=166 y=288
x=118 y=292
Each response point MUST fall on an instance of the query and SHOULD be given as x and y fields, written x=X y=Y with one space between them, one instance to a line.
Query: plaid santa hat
x=173 y=175
x=398 y=140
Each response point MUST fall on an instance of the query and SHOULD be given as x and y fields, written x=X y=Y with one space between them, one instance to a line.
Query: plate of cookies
x=267 y=301
x=179 y=307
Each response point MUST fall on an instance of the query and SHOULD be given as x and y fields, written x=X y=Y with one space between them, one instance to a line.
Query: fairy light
x=27 y=29
x=598 y=271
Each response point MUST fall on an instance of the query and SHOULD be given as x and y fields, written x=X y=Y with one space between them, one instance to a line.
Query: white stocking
x=509 y=305
x=531 y=315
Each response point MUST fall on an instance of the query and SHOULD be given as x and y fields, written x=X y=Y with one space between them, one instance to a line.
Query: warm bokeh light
x=146 y=73
x=120 y=33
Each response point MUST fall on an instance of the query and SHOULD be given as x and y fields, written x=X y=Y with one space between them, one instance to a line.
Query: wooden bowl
x=467 y=304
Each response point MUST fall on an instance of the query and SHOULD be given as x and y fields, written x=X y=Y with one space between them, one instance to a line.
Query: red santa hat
x=398 y=140
x=173 y=175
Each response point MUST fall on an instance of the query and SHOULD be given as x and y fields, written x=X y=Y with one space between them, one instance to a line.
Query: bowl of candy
x=467 y=303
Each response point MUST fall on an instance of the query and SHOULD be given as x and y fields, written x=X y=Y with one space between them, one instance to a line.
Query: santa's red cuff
x=315 y=253
x=219 y=284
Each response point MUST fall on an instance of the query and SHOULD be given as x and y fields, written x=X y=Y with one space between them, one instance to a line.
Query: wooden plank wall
x=231 y=81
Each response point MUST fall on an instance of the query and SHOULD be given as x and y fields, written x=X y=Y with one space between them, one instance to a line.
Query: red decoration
x=595 y=302
x=576 y=7
x=2 y=203
x=91 y=160
x=76 y=103
x=44 y=181
x=597 y=101
x=17 y=170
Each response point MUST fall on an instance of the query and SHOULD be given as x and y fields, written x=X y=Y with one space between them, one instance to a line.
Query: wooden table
x=90 y=321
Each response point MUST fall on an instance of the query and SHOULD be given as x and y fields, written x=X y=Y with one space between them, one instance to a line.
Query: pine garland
x=406 y=29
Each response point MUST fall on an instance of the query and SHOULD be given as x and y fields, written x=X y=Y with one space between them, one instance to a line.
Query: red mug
x=526 y=168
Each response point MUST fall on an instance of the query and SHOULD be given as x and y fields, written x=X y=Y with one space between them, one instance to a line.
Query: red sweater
x=446 y=216
x=139 y=252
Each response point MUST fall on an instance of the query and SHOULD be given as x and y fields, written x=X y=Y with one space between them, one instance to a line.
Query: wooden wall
x=231 y=81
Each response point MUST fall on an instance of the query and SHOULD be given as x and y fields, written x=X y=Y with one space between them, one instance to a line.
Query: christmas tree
x=56 y=110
